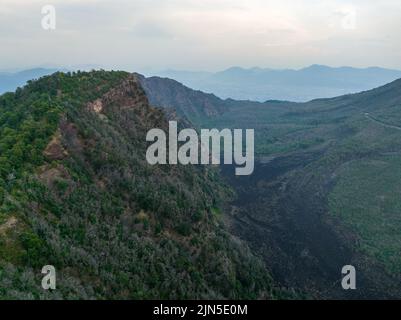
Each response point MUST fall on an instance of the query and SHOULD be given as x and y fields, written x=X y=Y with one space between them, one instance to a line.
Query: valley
x=324 y=192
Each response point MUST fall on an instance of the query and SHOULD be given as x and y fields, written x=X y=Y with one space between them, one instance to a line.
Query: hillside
x=188 y=103
x=325 y=190
x=76 y=192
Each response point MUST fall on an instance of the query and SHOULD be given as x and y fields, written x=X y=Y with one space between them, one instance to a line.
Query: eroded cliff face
x=128 y=94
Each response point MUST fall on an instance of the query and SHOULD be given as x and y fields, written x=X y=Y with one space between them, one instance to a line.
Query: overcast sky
x=201 y=34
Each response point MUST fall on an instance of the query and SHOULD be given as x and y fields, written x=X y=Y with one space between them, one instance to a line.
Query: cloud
x=202 y=34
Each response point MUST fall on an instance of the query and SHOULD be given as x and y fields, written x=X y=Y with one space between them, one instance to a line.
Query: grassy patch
x=367 y=199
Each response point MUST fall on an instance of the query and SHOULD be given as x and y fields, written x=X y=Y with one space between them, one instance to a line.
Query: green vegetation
x=77 y=193
x=367 y=199
x=332 y=163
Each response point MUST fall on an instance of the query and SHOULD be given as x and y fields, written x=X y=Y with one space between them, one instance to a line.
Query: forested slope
x=76 y=192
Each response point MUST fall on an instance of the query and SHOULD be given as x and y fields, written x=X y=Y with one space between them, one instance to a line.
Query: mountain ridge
x=76 y=192
x=191 y=104
x=313 y=82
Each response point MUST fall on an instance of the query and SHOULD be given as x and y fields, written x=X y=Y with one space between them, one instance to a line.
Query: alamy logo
x=49 y=18
x=49 y=280
x=209 y=150
x=349 y=280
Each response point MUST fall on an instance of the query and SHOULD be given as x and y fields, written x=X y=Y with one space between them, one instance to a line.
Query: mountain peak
x=91 y=202
x=316 y=67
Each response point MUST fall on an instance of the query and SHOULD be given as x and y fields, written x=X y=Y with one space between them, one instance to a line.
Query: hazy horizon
x=208 y=35
x=139 y=69
x=257 y=84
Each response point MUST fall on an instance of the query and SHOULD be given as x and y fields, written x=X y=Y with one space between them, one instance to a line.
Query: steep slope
x=77 y=193
x=193 y=105
x=325 y=190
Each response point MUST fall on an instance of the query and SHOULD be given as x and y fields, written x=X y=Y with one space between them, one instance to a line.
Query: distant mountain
x=316 y=81
x=9 y=81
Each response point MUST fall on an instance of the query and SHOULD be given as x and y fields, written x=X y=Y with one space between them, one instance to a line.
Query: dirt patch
x=48 y=174
x=55 y=149
x=95 y=106
x=9 y=224
x=71 y=138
